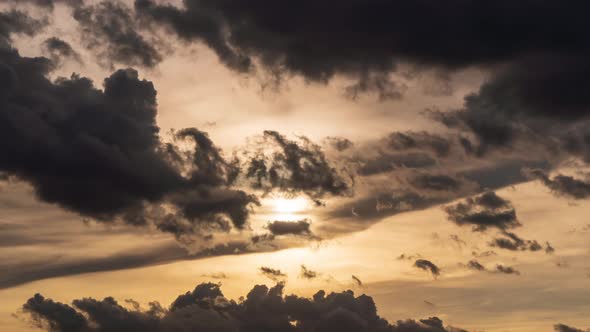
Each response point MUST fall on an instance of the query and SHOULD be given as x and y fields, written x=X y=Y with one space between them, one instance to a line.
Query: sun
x=289 y=205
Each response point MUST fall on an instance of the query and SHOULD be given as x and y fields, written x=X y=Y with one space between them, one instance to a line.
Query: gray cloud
x=428 y=266
x=484 y=211
x=206 y=309
x=109 y=29
x=295 y=167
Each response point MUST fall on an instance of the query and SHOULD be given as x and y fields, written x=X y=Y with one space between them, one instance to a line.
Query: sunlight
x=289 y=205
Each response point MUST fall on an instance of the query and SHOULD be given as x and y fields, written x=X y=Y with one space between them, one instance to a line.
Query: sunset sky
x=212 y=165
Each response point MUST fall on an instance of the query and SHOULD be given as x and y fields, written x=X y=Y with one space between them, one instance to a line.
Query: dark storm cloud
x=109 y=29
x=99 y=153
x=60 y=50
x=506 y=269
x=540 y=99
x=428 y=266
x=272 y=274
x=365 y=40
x=206 y=309
x=300 y=227
x=15 y=21
x=295 y=167
x=484 y=211
x=562 y=184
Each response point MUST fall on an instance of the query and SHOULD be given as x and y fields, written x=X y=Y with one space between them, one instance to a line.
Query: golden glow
x=289 y=205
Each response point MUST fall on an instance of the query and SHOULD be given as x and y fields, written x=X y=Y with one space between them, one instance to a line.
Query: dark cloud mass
x=98 y=152
x=367 y=39
x=484 y=211
x=59 y=50
x=109 y=29
x=206 y=309
x=295 y=167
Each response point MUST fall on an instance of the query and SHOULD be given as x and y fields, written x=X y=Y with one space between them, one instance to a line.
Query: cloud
x=295 y=167
x=109 y=29
x=46 y=3
x=511 y=241
x=15 y=21
x=307 y=273
x=484 y=211
x=362 y=42
x=475 y=265
x=387 y=162
x=206 y=309
x=562 y=184
x=272 y=274
x=339 y=143
x=60 y=50
x=506 y=269
x=565 y=328
x=357 y=281
x=411 y=140
x=428 y=266
x=436 y=182
x=66 y=136
x=300 y=227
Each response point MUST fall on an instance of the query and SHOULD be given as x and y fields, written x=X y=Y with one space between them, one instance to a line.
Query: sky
x=222 y=165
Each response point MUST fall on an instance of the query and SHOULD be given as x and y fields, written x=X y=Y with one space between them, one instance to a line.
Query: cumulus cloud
x=98 y=152
x=206 y=309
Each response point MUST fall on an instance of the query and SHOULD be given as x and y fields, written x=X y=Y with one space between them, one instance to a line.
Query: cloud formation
x=367 y=41
x=484 y=211
x=109 y=29
x=426 y=265
x=206 y=309
x=98 y=152
x=294 y=167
